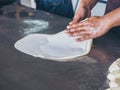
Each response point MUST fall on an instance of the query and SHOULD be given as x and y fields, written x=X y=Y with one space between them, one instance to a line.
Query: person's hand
x=81 y=14
x=92 y=27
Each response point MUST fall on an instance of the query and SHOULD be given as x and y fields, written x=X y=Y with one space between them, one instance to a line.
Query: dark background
x=6 y=2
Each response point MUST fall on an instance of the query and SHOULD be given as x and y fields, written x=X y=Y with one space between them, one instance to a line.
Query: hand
x=92 y=27
x=81 y=14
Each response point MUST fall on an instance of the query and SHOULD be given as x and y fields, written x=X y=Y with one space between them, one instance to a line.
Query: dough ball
x=114 y=75
x=113 y=84
x=115 y=88
x=115 y=66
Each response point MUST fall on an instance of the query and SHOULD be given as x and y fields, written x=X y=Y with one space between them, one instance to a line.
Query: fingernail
x=70 y=23
x=66 y=31
x=68 y=27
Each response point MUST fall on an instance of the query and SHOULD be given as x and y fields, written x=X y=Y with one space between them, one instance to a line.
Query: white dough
x=55 y=46
x=114 y=75
x=115 y=88
x=115 y=66
x=113 y=84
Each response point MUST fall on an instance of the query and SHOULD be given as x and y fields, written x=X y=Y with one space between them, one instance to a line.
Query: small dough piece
x=113 y=84
x=115 y=66
x=115 y=88
x=114 y=75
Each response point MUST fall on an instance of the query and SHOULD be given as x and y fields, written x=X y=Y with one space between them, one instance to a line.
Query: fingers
x=75 y=20
x=83 y=30
x=84 y=37
x=87 y=29
x=79 y=31
x=79 y=25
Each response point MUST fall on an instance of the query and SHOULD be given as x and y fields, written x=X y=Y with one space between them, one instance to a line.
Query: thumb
x=75 y=19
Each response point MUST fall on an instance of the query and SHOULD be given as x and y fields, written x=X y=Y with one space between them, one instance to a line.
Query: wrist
x=87 y=7
x=88 y=4
x=107 y=22
x=113 y=18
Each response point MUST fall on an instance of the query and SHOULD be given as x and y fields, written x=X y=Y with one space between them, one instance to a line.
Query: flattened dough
x=55 y=46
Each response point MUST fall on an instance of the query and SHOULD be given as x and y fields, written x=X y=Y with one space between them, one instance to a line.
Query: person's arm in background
x=113 y=17
x=95 y=26
x=84 y=10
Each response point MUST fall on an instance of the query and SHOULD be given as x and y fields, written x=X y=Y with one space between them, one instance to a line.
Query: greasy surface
x=19 y=71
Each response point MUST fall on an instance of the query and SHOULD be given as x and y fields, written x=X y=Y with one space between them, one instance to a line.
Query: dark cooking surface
x=19 y=71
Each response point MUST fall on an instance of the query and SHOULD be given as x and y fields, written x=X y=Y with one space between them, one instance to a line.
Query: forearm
x=89 y=4
x=113 y=18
